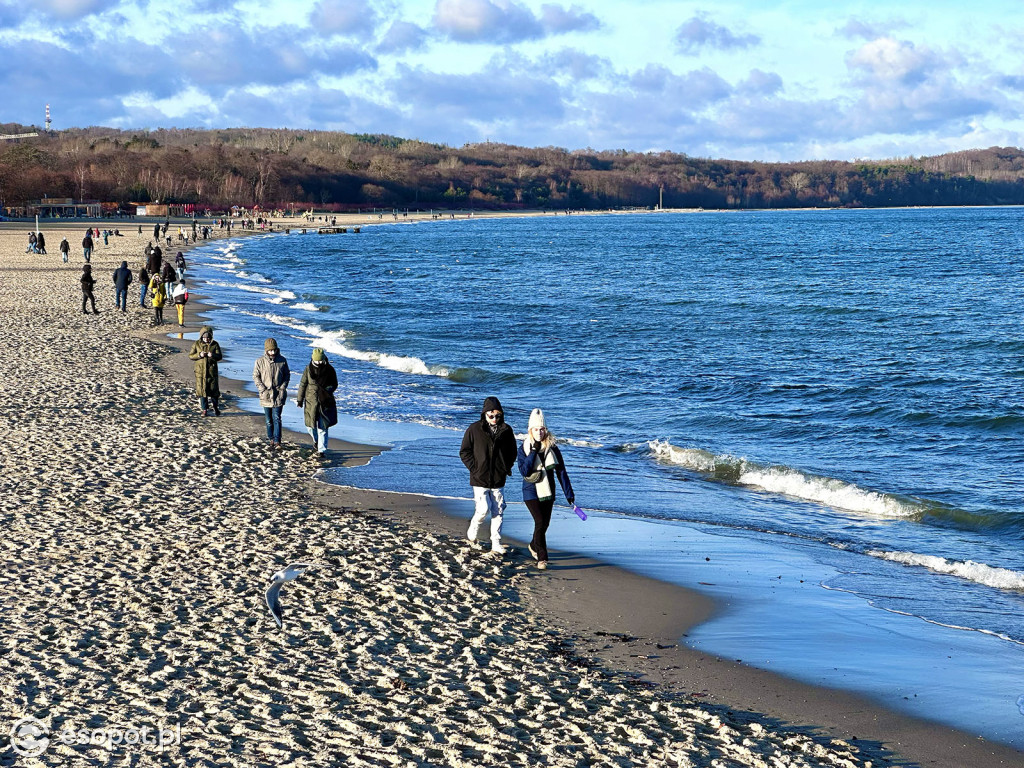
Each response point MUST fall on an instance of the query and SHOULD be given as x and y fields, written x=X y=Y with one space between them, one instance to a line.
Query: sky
x=743 y=80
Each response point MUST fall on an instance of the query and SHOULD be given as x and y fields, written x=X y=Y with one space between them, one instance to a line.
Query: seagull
x=276 y=582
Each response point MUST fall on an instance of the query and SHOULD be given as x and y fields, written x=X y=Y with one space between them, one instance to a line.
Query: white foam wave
x=827 y=491
x=257 y=277
x=691 y=458
x=568 y=441
x=1001 y=578
x=391 y=362
x=580 y=443
x=307 y=306
x=290 y=322
x=284 y=295
x=787 y=481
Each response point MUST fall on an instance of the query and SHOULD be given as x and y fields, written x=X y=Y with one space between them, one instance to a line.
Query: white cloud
x=700 y=32
x=402 y=36
x=489 y=21
x=343 y=17
x=557 y=19
x=71 y=9
x=889 y=59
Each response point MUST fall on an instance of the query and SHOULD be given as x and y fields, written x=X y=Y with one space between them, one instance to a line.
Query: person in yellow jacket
x=158 y=297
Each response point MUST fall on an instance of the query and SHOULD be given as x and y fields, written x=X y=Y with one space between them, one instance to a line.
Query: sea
x=814 y=416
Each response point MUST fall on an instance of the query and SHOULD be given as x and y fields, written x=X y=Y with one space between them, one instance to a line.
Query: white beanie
x=537 y=419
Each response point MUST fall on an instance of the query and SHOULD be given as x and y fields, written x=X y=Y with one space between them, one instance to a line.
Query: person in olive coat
x=316 y=398
x=206 y=352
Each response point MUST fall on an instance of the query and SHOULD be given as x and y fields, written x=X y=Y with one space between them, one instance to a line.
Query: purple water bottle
x=579 y=512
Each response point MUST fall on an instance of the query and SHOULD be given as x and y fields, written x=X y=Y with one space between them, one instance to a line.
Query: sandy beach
x=138 y=538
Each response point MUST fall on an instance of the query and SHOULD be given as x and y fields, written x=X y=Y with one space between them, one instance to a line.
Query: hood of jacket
x=206 y=329
x=490 y=404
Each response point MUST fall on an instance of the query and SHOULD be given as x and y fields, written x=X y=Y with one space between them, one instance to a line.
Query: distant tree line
x=280 y=168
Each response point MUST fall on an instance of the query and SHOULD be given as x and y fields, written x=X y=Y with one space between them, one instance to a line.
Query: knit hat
x=318 y=354
x=269 y=344
x=537 y=419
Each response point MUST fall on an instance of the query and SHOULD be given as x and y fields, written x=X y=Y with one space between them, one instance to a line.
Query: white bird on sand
x=276 y=582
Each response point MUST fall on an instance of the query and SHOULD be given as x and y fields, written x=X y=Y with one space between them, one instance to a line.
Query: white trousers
x=490 y=500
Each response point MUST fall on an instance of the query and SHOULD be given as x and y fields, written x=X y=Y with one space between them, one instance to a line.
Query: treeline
x=323 y=169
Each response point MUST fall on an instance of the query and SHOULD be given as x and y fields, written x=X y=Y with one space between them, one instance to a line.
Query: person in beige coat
x=271 y=376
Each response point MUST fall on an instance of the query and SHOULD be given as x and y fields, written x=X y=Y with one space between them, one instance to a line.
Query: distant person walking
x=40 y=242
x=179 y=294
x=316 y=398
x=31 y=243
x=143 y=285
x=65 y=249
x=206 y=352
x=88 y=282
x=157 y=298
x=489 y=453
x=122 y=279
x=169 y=276
x=153 y=259
x=179 y=265
x=87 y=247
x=156 y=232
x=540 y=462
x=271 y=376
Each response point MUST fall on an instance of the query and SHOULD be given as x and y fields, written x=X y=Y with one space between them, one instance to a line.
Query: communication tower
x=47 y=118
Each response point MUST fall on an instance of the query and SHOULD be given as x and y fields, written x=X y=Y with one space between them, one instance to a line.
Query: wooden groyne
x=335 y=230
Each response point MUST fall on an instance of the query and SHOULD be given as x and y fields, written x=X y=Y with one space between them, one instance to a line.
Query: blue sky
x=740 y=80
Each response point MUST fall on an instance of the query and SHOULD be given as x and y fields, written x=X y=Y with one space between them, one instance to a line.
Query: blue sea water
x=837 y=391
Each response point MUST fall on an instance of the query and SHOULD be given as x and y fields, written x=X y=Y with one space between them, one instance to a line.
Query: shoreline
x=573 y=602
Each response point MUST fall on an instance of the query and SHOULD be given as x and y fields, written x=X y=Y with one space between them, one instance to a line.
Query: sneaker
x=533 y=552
x=474 y=543
x=216 y=410
x=498 y=549
x=205 y=411
x=542 y=565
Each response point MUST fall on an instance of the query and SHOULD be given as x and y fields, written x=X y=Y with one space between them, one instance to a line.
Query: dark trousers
x=541 y=511
x=86 y=298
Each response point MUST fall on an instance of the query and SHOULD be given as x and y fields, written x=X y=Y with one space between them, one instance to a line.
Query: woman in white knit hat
x=540 y=462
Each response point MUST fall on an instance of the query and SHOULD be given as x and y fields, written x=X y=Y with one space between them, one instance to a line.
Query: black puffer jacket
x=488 y=457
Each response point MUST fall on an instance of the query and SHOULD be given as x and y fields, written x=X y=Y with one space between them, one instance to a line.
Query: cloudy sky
x=741 y=79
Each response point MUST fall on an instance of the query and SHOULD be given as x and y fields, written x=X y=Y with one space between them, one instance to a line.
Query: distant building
x=164 y=209
x=64 y=208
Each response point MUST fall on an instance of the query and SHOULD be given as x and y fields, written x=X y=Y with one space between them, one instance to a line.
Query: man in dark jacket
x=489 y=453
x=122 y=279
x=168 y=275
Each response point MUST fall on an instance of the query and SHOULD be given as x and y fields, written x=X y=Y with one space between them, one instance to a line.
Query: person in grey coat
x=271 y=376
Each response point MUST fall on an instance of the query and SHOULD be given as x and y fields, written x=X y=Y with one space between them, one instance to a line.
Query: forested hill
x=278 y=168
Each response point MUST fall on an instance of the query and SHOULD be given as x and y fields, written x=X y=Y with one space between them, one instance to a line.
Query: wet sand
x=138 y=537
